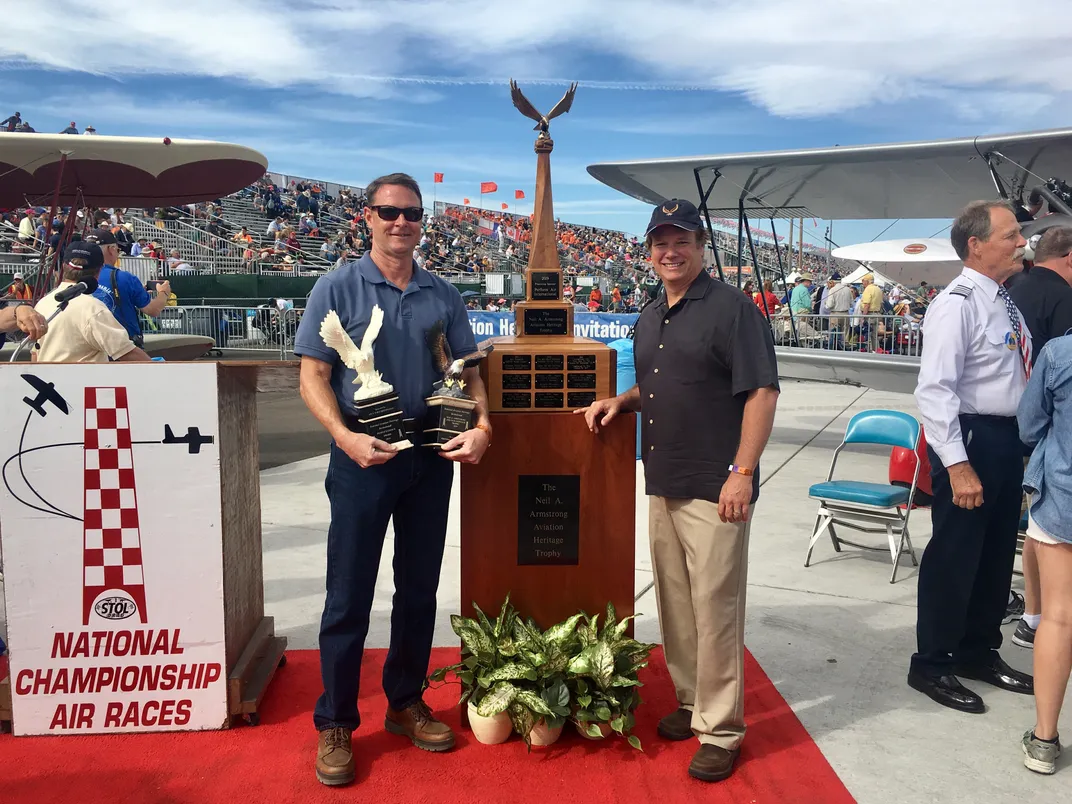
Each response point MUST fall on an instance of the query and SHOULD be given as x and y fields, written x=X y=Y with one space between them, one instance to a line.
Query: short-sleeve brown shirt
x=695 y=365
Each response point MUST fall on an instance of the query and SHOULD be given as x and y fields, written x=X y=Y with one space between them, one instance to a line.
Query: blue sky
x=348 y=90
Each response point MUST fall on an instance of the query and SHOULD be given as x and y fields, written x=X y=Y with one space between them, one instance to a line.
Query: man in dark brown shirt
x=707 y=388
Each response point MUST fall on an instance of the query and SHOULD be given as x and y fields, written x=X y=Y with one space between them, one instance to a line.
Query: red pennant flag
x=519 y=194
x=506 y=206
x=488 y=187
x=437 y=178
x=465 y=201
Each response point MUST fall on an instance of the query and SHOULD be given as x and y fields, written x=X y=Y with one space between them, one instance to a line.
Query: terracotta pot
x=542 y=734
x=604 y=729
x=490 y=730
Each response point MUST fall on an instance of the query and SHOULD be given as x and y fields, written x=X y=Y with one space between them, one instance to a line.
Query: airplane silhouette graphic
x=46 y=392
x=193 y=438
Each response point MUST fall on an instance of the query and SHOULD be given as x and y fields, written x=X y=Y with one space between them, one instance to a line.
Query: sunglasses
x=389 y=213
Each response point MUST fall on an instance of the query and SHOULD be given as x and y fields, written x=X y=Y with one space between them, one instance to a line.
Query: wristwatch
x=740 y=470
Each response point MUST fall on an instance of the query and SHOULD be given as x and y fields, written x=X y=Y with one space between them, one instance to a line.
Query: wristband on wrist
x=486 y=429
x=740 y=470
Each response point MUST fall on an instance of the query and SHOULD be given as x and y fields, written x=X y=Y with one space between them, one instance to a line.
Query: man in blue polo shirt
x=369 y=482
x=122 y=292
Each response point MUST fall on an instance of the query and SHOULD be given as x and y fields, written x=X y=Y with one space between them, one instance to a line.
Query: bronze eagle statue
x=445 y=364
x=542 y=121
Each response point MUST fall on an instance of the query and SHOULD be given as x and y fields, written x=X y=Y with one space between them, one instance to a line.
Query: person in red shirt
x=773 y=305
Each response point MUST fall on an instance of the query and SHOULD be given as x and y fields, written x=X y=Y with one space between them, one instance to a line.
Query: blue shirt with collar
x=1045 y=419
x=132 y=296
x=401 y=352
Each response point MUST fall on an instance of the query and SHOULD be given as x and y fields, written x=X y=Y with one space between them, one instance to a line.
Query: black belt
x=989 y=418
x=354 y=425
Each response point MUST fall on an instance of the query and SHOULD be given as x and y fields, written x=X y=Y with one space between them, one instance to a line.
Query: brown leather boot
x=417 y=722
x=334 y=757
x=713 y=763
x=676 y=726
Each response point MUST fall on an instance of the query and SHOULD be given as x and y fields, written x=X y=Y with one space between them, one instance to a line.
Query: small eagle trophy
x=378 y=411
x=450 y=409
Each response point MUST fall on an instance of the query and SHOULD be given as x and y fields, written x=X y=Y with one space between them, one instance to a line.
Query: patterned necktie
x=1014 y=318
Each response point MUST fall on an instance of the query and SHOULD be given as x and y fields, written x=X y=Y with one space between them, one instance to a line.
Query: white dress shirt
x=971 y=362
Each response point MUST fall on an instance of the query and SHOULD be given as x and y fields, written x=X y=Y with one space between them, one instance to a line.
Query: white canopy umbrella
x=862 y=271
x=907 y=262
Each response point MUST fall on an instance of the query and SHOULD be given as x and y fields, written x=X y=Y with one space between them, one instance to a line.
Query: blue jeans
x=414 y=489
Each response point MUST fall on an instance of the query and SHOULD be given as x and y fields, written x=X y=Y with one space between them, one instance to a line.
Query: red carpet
x=274 y=761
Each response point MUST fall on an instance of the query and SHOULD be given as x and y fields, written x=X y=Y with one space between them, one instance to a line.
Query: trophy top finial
x=543 y=121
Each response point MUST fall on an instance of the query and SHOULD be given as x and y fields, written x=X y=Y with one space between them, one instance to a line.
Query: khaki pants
x=700 y=566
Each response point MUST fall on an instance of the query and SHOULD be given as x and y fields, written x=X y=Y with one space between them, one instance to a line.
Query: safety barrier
x=885 y=334
x=252 y=329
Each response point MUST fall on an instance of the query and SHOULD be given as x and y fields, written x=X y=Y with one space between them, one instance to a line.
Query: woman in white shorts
x=1045 y=418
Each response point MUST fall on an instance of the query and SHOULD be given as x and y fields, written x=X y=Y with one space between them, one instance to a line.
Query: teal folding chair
x=869 y=507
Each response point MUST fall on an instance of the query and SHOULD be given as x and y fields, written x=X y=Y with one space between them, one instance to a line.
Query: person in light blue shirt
x=800 y=301
x=1045 y=419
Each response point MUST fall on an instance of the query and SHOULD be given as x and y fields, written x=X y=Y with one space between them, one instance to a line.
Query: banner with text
x=605 y=327
x=110 y=510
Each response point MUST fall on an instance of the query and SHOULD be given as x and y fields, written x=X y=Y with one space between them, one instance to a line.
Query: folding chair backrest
x=888 y=427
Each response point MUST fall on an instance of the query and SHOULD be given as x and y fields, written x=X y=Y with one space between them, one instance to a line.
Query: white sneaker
x=1039 y=755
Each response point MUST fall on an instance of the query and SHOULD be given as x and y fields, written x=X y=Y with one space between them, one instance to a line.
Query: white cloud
x=790 y=58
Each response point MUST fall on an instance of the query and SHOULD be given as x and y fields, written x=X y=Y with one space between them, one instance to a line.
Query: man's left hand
x=735 y=499
x=468 y=447
x=31 y=322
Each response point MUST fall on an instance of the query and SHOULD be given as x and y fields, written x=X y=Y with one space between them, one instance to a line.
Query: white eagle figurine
x=359 y=359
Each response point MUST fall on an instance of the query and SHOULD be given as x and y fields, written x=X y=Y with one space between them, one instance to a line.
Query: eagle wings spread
x=526 y=108
x=360 y=359
x=442 y=359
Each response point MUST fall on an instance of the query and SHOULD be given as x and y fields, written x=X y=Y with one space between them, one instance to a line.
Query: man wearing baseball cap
x=122 y=292
x=86 y=332
x=707 y=388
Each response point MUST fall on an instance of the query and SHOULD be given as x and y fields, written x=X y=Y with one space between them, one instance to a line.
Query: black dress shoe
x=999 y=674
x=947 y=691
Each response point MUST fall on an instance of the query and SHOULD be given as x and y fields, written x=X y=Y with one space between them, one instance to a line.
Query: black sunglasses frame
x=389 y=212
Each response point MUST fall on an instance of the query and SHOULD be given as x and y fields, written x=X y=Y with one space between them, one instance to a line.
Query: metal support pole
x=41 y=280
x=740 y=235
x=781 y=271
x=707 y=215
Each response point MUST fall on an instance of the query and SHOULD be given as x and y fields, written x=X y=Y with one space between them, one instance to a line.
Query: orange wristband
x=486 y=429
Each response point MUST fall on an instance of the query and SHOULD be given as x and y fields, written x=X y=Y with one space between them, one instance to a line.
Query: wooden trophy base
x=447 y=417
x=249 y=678
x=549 y=517
x=552 y=374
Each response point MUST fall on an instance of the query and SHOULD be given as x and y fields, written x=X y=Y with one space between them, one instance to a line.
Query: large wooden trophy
x=548 y=515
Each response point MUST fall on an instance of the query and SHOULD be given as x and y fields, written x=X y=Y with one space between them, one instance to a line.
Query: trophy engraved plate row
x=544 y=367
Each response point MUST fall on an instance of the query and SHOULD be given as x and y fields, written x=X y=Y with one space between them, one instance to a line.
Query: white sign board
x=111 y=536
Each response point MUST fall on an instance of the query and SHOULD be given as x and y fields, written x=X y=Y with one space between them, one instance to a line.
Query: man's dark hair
x=973 y=221
x=396 y=179
x=1055 y=243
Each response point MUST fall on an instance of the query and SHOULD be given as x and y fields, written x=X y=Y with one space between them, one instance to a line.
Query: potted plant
x=603 y=678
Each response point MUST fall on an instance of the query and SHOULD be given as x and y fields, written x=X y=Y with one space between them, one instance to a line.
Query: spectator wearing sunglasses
x=370 y=482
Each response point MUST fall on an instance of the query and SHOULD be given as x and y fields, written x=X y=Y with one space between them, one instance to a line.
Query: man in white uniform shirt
x=86 y=332
x=974 y=369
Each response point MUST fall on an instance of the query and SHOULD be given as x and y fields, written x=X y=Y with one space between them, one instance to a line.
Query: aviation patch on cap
x=667 y=211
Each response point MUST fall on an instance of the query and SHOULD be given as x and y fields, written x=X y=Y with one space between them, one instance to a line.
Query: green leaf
x=593 y=730
x=438 y=675
x=582 y=686
x=622 y=681
x=582 y=716
x=602 y=664
x=619 y=629
x=502 y=617
x=611 y=618
x=557 y=694
x=535 y=658
x=471 y=662
x=478 y=643
x=557 y=634
x=635 y=742
x=508 y=672
x=497 y=700
x=533 y=702
x=618 y=724
x=507 y=647
x=585 y=701
x=602 y=713
x=458 y=622
x=466 y=677
x=581 y=664
x=523 y=720
x=485 y=623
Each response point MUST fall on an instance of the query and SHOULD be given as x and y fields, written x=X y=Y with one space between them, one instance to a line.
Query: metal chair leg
x=834 y=538
x=822 y=521
x=911 y=549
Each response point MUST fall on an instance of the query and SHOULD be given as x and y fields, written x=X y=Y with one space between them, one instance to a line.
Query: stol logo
x=115 y=608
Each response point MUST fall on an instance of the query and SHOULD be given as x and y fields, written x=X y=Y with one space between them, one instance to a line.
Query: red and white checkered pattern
x=112 y=551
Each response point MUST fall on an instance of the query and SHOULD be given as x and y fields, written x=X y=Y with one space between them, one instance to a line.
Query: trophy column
x=548 y=515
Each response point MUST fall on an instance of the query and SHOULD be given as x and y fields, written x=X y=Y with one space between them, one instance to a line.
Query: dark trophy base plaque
x=447 y=417
x=381 y=417
x=540 y=321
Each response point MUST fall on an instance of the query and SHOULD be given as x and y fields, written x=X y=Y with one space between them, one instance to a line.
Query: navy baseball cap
x=85 y=250
x=102 y=237
x=675 y=212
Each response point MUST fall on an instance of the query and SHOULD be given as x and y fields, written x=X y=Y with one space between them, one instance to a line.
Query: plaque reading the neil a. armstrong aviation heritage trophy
x=548 y=519
x=545 y=285
x=540 y=321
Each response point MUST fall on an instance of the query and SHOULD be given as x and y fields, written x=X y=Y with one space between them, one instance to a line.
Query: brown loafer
x=676 y=726
x=417 y=722
x=713 y=763
x=334 y=757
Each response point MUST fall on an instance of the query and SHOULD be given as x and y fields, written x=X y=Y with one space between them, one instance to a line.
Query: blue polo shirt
x=401 y=352
x=132 y=297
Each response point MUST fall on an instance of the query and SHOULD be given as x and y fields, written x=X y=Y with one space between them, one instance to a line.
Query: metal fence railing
x=255 y=329
x=883 y=334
